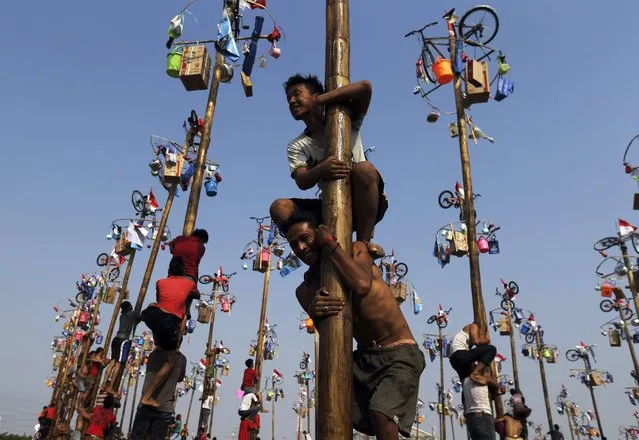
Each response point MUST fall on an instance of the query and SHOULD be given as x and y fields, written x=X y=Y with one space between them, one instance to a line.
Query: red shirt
x=94 y=369
x=172 y=293
x=100 y=421
x=191 y=249
x=50 y=413
x=250 y=377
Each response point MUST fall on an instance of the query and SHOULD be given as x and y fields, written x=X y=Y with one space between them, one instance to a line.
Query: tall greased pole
x=442 y=392
x=631 y=275
x=334 y=381
x=542 y=372
x=259 y=352
x=211 y=370
x=479 y=310
x=513 y=349
x=591 y=388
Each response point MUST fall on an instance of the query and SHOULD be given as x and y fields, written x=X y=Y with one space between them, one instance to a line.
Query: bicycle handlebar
x=420 y=30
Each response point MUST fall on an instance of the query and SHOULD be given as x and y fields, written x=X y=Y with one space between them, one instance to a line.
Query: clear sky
x=84 y=86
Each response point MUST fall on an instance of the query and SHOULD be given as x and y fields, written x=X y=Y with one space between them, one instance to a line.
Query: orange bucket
x=443 y=70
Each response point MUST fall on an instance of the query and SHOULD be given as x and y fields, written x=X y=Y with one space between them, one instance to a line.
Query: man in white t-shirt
x=310 y=166
x=251 y=405
x=477 y=407
x=206 y=411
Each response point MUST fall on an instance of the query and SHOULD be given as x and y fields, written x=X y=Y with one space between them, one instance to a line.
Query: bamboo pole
x=118 y=302
x=586 y=359
x=185 y=428
x=316 y=348
x=479 y=310
x=126 y=400
x=308 y=407
x=570 y=428
x=513 y=349
x=213 y=405
x=273 y=415
x=336 y=342
x=452 y=425
x=210 y=354
x=542 y=373
x=135 y=396
x=631 y=275
x=442 y=392
x=259 y=352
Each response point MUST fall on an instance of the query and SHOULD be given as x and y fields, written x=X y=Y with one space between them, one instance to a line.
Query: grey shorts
x=386 y=380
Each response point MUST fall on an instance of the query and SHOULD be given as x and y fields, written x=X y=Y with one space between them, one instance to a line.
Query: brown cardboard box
x=173 y=171
x=196 y=68
x=399 y=291
x=477 y=82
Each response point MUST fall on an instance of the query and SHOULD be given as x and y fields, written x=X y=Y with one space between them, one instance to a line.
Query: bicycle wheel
x=442 y=323
x=530 y=338
x=479 y=25
x=303 y=365
x=513 y=287
x=505 y=304
x=432 y=319
x=137 y=200
x=445 y=199
x=114 y=274
x=225 y=287
x=635 y=242
x=606 y=243
x=427 y=64
x=573 y=355
x=206 y=279
x=606 y=305
x=102 y=259
x=401 y=270
x=626 y=313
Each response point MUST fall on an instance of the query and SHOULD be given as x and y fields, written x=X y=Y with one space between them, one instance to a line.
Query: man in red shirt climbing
x=102 y=419
x=191 y=249
x=250 y=377
x=164 y=318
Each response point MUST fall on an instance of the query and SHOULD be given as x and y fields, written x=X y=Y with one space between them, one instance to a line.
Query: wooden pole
x=316 y=347
x=299 y=422
x=442 y=392
x=572 y=435
x=205 y=141
x=273 y=415
x=308 y=407
x=513 y=349
x=542 y=373
x=126 y=400
x=631 y=346
x=211 y=370
x=336 y=339
x=452 y=425
x=185 y=428
x=259 y=352
x=135 y=394
x=592 y=394
x=213 y=405
x=479 y=310
x=631 y=275
x=118 y=303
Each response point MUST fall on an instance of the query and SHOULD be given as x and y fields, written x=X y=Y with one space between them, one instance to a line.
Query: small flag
x=151 y=202
x=626 y=228
x=459 y=189
x=277 y=373
x=203 y=363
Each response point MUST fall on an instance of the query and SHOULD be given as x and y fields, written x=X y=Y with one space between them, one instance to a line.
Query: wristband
x=329 y=239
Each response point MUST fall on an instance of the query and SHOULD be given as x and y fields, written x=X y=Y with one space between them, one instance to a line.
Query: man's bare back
x=377 y=318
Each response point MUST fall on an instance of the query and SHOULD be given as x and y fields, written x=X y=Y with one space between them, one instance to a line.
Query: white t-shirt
x=307 y=436
x=207 y=402
x=306 y=151
x=460 y=342
x=476 y=397
x=247 y=401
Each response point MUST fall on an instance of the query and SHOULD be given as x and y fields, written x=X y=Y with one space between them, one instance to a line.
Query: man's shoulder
x=298 y=141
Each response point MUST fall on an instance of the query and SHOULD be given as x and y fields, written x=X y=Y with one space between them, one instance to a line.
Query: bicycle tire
x=102 y=260
x=303 y=365
x=504 y=304
x=635 y=242
x=137 y=200
x=427 y=64
x=466 y=31
x=606 y=243
x=444 y=199
x=401 y=269
x=79 y=297
x=225 y=287
x=499 y=367
x=513 y=287
x=530 y=338
x=206 y=279
x=573 y=355
x=441 y=323
x=626 y=313
x=606 y=305
x=432 y=319
x=114 y=274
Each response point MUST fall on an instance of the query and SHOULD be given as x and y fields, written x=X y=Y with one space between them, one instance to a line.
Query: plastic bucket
x=174 y=62
x=525 y=328
x=443 y=70
x=210 y=187
x=482 y=245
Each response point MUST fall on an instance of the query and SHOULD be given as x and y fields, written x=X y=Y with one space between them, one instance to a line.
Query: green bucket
x=174 y=62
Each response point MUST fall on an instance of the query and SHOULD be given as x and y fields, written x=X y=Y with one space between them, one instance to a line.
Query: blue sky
x=86 y=87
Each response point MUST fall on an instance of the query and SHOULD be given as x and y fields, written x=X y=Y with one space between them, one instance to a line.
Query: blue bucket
x=190 y=326
x=525 y=328
x=211 y=187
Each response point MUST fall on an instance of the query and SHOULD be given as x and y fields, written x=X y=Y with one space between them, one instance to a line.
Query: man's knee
x=364 y=174
x=281 y=209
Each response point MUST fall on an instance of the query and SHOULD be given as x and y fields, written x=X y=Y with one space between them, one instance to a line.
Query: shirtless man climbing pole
x=463 y=357
x=310 y=166
x=387 y=363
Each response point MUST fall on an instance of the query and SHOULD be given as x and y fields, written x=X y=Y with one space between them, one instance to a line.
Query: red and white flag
x=277 y=373
x=459 y=189
x=151 y=202
x=203 y=363
x=626 y=228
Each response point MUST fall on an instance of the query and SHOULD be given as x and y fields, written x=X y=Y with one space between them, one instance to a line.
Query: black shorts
x=314 y=206
x=165 y=327
x=120 y=349
x=386 y=380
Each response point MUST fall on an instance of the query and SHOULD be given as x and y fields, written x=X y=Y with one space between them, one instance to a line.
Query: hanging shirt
x=172 y=293
x=306 y=152
x=100 y=421
x=191 y=250
x=461 y=341
x=476 y=398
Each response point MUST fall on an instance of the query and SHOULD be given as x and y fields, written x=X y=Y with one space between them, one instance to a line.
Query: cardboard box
x=173 y=170
x=399 y=291
x=196 y=68
x=477 y=82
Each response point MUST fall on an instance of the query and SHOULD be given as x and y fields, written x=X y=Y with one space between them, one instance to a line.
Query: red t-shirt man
x=172 y=294
x=250 y=376
x=191 y=250
x=101 y=419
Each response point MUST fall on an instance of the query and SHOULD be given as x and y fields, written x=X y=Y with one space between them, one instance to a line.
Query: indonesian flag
x=117 y=259
x=420 y=402
x=151 y=202
x=203 y=363
x=499 y=358
x=218 y=274
x=277 y=373
x=626 y=228
x=459 y=189
x=218 y=383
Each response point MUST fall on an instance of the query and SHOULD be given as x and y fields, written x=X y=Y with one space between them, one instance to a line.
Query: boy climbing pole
x=310 y=166
x=120 y=346
x=191 y=249
x=463 y=357
x=388 y=362
x=250 y=377
x=164 y=318
x=97 y=361
x=102 y=419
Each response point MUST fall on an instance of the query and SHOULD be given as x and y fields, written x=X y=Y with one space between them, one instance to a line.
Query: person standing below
x=310 y=164
x=154 y=421
x=120 y=346
x=164 y=318
x=250 y=377
x=306 y=435
x=102 y=419
x=463 y=357
x=555 y=433
x=388 y=362
x=206 y=412
x=478 y=409
x=176 y=427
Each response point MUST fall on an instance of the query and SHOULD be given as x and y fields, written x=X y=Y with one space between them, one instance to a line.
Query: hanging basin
x=443 y=70
x=210 y=186
x=174 y=62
